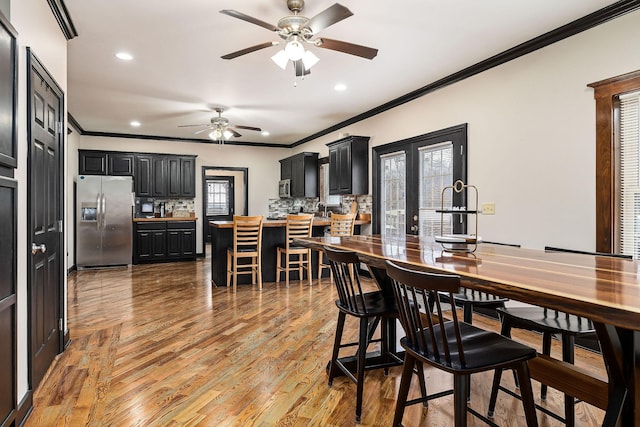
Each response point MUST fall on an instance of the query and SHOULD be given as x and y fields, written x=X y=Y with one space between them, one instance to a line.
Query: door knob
x=35 y=248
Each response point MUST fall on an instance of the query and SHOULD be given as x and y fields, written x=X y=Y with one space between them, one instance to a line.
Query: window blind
x=436 y=172
x=629 y=184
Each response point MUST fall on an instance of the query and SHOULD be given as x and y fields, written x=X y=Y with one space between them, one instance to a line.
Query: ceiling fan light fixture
x=294 y=48
x=216 y=134
x=309 y=59
x=227 y=134
x=281 y=59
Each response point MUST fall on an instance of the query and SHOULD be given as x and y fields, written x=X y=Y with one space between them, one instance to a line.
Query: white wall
x=531 y=134
x=38 y=29
x=263 y=165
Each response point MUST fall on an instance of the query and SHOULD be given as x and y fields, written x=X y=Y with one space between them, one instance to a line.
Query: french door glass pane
x=436 y=172
x=394 y=172
x=217 y=198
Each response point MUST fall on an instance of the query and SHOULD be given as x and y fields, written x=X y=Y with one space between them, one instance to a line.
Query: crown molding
x=61 y=14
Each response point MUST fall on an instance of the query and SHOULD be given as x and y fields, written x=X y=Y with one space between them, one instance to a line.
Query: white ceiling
x=177 y=75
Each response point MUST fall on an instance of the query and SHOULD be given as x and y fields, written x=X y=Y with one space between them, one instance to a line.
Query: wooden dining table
x=603 y=289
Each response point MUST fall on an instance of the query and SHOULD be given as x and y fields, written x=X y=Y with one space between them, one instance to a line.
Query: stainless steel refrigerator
x=104 y=206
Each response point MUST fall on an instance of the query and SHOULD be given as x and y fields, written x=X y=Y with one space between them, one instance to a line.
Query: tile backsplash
x=279 y=208
x=171 y=205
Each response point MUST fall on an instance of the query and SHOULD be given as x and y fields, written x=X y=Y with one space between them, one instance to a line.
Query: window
x=218 y=197
x=436 y=172
x=607 y=94
x=393 y=201
x=628 y=133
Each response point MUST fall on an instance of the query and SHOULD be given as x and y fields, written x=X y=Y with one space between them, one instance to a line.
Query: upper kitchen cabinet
x=180 y=176
x=143 y=179
x=119 y=164
x=302 y=170
x=349 y=165
x=92 y=162
x=160 y=175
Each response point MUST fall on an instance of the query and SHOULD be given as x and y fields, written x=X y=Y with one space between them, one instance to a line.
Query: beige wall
x=531 y=134
x=37 y=29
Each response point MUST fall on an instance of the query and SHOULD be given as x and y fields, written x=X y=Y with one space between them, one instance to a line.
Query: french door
x=409 y=176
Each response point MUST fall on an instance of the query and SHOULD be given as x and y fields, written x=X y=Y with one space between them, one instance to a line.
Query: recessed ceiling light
x=340 y=87
x=135 y=123
x=124 y=56
x=265 y=133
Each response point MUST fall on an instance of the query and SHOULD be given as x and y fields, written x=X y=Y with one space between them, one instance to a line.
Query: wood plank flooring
x=156 y=345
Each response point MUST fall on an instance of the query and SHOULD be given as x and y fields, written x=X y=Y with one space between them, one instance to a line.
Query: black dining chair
x=549 y=323
x=450 y=345
x=471 y=300
x=372 y=309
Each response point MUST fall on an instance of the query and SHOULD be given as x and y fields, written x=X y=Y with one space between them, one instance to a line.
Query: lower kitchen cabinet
x=158 y=241
x=181 y=239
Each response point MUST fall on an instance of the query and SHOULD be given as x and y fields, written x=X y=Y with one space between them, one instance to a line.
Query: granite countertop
x=166 y=218
x=317 y=222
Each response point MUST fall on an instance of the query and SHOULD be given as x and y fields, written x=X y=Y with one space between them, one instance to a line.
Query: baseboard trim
x=25 y=407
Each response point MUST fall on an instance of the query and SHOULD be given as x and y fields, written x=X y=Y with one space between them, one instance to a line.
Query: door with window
x=219 y=199
x=409 y=176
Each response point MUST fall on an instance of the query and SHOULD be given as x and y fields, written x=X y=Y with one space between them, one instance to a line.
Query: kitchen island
x=273 y=234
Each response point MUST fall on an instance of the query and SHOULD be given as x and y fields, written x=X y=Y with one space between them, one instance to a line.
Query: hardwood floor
x=157 y=345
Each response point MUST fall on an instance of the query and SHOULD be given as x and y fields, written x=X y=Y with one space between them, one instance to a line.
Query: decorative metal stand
x=458 y=242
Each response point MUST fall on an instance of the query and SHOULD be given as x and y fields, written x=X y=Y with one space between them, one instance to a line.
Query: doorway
x=408 y=178
x=230 y=180
x=45 y=133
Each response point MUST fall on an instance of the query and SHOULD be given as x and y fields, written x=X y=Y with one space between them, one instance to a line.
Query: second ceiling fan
x=297 y=30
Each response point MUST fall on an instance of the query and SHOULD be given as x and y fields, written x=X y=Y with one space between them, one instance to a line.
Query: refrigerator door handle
x=99 y=212
x=104 y=212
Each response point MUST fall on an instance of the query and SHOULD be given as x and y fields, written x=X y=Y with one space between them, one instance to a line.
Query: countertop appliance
x=284 y=188
x=144 y=207
x=104 y=205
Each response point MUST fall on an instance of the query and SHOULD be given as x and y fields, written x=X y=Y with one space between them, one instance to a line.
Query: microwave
x=284 y=188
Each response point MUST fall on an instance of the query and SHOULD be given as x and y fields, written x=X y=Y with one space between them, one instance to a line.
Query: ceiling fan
x=296 y=30
x=220 y=128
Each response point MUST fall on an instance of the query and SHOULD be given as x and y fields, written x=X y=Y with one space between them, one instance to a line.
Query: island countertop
x=317 y=222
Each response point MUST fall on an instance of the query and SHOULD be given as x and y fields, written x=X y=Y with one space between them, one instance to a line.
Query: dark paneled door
x=46 y=136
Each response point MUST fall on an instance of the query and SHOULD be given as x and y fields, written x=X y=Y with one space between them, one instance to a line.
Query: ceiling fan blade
x=248 y=50
x=233 y=131
x=189 y=126
x=300 y=70
x=249 y=128
x=251 y=19
x=350 y=48
x=327 y=17
x=202 y=130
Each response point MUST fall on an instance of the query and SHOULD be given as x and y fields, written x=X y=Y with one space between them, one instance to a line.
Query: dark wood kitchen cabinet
x=121 y=164
x=302 y=170
x=349 y=165
x=180 y=176
x=157 y=241
x=92 y=162
x=165 y=176
x=150 y=242
x=143 y=179
x=181 y=239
